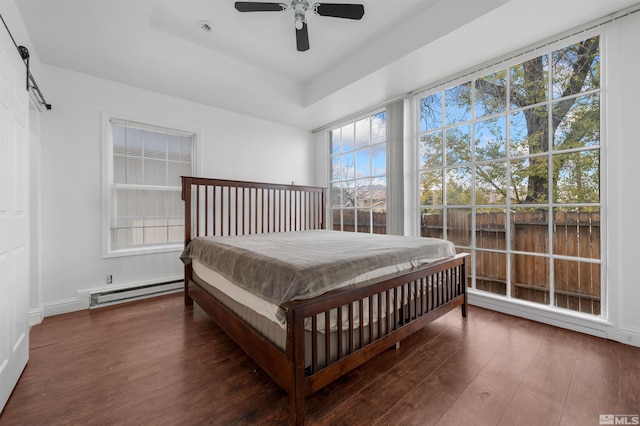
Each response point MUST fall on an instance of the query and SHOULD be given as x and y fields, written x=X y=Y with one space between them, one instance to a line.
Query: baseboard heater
x=106 y=298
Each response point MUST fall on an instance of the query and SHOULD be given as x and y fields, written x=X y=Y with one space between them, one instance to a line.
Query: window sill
x=585 y=323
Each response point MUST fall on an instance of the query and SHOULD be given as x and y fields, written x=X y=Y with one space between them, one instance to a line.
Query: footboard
x=360 y=322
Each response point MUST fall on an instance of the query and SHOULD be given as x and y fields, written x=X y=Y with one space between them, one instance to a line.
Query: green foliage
x=554 y=133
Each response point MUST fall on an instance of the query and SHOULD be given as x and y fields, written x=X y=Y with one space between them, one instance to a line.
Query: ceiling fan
x=335 y=10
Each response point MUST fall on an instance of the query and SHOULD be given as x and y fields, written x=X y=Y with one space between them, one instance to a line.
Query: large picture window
x=358 y=163
x=509 y=170
x=145 y=211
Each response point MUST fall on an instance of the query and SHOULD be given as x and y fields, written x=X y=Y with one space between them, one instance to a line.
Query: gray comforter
x=299 y=265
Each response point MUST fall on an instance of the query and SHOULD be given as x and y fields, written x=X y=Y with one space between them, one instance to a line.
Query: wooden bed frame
x=224 y=207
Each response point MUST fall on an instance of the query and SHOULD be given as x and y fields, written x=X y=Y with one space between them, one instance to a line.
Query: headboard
x=229 y=207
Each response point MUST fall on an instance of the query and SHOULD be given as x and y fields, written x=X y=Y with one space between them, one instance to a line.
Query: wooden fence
x=365 y=222
x=573 y=234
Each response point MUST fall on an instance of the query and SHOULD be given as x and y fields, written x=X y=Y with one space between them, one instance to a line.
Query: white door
x=14 y=218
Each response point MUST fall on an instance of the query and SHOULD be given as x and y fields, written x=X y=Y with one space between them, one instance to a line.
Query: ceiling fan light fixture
x=300 y=7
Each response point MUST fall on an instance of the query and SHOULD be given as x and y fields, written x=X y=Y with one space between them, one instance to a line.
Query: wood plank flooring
x=156 y=362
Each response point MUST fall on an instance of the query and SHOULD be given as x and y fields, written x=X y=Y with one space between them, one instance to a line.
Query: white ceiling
x=249 y=62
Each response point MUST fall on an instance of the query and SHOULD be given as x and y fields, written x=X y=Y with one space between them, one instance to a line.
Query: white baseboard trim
x=630 y=336
x=65 y=306
x=35 y=316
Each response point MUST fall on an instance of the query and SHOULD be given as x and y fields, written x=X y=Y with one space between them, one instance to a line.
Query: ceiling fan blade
x=339 y=10
x=302 y=38
x=251 y=6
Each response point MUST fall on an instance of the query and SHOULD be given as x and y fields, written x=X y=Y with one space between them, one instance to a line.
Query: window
x=358 y=162
x=509 y=170
x=145 y=211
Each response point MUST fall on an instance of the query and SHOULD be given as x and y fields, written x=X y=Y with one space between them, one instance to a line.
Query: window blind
x=147 y=162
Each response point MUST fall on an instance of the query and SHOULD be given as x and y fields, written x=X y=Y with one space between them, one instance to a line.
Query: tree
x=574 y=68
x=523 y=89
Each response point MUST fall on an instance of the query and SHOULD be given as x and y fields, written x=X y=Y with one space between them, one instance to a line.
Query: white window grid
x=354 y=179
x=509 y=207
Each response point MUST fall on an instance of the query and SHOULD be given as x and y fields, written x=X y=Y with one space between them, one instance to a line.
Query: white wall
x=232 y=146
x=35 y=286
x=621 y=187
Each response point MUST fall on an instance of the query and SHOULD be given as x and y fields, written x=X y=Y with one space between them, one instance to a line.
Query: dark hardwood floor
x=156 y=362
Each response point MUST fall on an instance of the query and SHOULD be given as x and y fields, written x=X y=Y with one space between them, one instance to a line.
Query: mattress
x=306 y=255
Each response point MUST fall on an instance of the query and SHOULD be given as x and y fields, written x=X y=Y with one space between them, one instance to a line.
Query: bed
x=340 y=306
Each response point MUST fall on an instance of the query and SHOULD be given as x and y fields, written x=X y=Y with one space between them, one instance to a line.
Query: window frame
x=107 y=251
x=330 y=181
x=550 y=204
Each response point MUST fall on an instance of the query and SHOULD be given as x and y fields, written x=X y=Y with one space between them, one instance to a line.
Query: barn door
x=14 y=218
